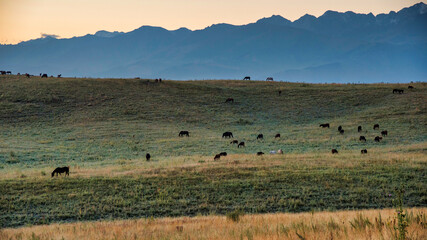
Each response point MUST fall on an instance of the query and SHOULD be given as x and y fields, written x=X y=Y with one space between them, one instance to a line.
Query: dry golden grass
x=317 y=225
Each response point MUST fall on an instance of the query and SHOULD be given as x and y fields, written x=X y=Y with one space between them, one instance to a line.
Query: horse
x=184 y=133
x=259 y=153
x=229 y=100
x=339 y=128
x=342 y=131
x=384 y=133
x=277 y=135
x=223 y=154
x=400 y=91
x=247 y=78
x=148 y=156
x=60 y=75
x=280 y=92
x=377 y=139
x=324 y=125
x=60 y=170
x=363 y=151
x=234 y=142
x=44 y=75
x=241 y=144
x=362 y=138
x=27 y=75
x=376 y=126
x=260 y=136
x=359 y=128
x=280 y=151
x=227 y=135
x=410 y=87
x=217 y=157
x=269 y=79
x=334 y=151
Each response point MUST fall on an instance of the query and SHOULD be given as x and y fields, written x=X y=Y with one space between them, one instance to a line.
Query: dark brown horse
x=376 y=126
x=259 y=153
x=229 y=100
x=334 y=151
x=324 y=125
x=217 y=157
x=384 y=133
x=359 y=128
x=277 y=135
x=223 y=154
x=234 y=142
x=362 y=138
x=260 y=136
x=148 y=156
x=364 y=151
x=241 y=144
x=60 y=170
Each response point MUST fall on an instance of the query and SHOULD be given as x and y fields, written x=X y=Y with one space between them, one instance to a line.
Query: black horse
x=229 y=100
x=277 y=135
x=184 y=133
x=148 y=156
x=384 y=133
x=324 y=125
x=61 y=170
x=260 y=136
x=247 y=78
x=362 y=138
x=44 y=75
x=241 y=144
x=359 y=128
x=259 y=153
x=227 y=135
x=334 y=151
x=364 y=151
x=376 y=126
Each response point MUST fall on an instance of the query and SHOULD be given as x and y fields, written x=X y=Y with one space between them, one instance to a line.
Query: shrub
x=234 y=215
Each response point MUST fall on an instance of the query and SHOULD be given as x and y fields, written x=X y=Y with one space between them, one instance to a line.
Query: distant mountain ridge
x=335 y=47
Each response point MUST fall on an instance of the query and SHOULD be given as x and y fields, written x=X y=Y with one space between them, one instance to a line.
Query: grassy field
x=365 y=224
x=102 y=129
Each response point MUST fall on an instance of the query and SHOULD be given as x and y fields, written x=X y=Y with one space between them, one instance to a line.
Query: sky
x=22 y=20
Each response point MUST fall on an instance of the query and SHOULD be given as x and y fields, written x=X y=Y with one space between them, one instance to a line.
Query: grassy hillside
x=102 y=129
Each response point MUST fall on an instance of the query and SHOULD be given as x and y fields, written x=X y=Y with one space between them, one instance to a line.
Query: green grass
x=108 y=125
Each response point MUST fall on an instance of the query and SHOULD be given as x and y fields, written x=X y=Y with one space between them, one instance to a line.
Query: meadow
x=102 y=129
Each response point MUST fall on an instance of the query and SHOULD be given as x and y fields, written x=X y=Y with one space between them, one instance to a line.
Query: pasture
x=103 y=128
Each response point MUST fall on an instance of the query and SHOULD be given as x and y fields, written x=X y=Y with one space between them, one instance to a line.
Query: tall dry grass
x=364 y=224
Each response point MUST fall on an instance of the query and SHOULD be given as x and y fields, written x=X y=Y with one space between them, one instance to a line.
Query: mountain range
x=335 y=47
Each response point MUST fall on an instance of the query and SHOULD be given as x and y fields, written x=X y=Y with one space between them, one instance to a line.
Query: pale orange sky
x=21 y=20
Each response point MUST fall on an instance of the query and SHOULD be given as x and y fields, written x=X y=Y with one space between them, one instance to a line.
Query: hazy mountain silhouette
x=335 y=47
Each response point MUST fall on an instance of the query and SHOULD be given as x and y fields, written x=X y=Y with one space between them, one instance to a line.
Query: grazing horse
x=60 y=170
x=223 y=154
x=241 y=144
x=359 y=128
x=260 y=136
x=234 y=142
x=259 y=153
x=324 y=125
x=44 y=75
x=400 y=91
x=269 y=79
x=277 y=135
x=229 y=100
x=334 y=151
x=60 y=75
x=342 y=131
x=3 y=72
x=8 y=72
x=339 y=128
x=147 y=156
x=217 y=157
x=362 y=138
x=247 y=78
x=280 y=92
x=384 y=133
x=184 y=133
x=227 y=135
x=410 y=87
x=377 y=139
x=364 y=151
x=376 y=126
